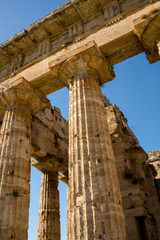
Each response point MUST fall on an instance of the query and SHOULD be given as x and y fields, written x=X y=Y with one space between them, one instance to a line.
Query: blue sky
x=135 y=90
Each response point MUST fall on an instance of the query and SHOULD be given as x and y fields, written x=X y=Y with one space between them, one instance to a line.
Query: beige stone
x=51 y=156
x=154 y=162
x=15 y=173
x=47 y=124
x=139 y=196
x=147 y=28
x=51 y=153
x=51 y=54
x=49 y=219
x=15 y=157
x=94 y=200
x=154 y=159
x=112 y=31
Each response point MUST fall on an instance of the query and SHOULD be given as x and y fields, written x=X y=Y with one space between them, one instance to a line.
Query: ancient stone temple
x=136 y=178
x=112 y=193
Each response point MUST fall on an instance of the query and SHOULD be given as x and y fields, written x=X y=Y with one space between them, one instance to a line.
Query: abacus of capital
x=111 y=187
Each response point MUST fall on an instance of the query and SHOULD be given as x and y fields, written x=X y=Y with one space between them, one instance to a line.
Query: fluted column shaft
x=15 y=173
x=49 y=218
x=94 y=200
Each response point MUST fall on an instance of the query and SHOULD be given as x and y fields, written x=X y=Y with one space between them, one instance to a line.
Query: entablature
x=108 y=23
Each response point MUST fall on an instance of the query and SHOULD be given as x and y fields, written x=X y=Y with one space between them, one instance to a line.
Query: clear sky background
x=135 y=90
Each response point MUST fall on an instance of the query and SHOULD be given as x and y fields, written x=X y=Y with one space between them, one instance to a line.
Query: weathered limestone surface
x=51 y=156
x=18 y=104
x=139 y=196
x=81 y=50
x=94 y=200
x=154 y=159
x=52 y=152
x=151 y=203
x=54 y=32
x=15 y=173
x=109 y=23
x=0 y=134
x=49 y=219
x=147 y=28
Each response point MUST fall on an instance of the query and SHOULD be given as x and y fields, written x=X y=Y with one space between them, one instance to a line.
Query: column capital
x=85 y=58
x=21 y=93
x=147 y=28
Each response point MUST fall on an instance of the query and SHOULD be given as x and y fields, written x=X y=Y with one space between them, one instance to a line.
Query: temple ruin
x=113 y=185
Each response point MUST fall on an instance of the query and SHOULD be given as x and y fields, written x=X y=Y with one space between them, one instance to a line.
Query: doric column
x=94 y=200
x=51 y=159
x=49 y=218
x=19 y=102
x=15 y=173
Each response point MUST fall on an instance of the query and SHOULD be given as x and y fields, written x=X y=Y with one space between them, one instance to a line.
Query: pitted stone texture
x=18 y=100
x=49 y=218
x=51 y=153
x=94 y=200
x=0 y=136
x=154 y=159
x=21 y=93
x=87 y=56
x=139 y=196
x=15 y=173
x=147 y=28
x=109 y=23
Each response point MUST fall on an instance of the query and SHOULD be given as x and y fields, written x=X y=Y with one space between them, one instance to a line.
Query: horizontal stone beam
x=116 y=41
x=49 y=139
x=53 y=31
